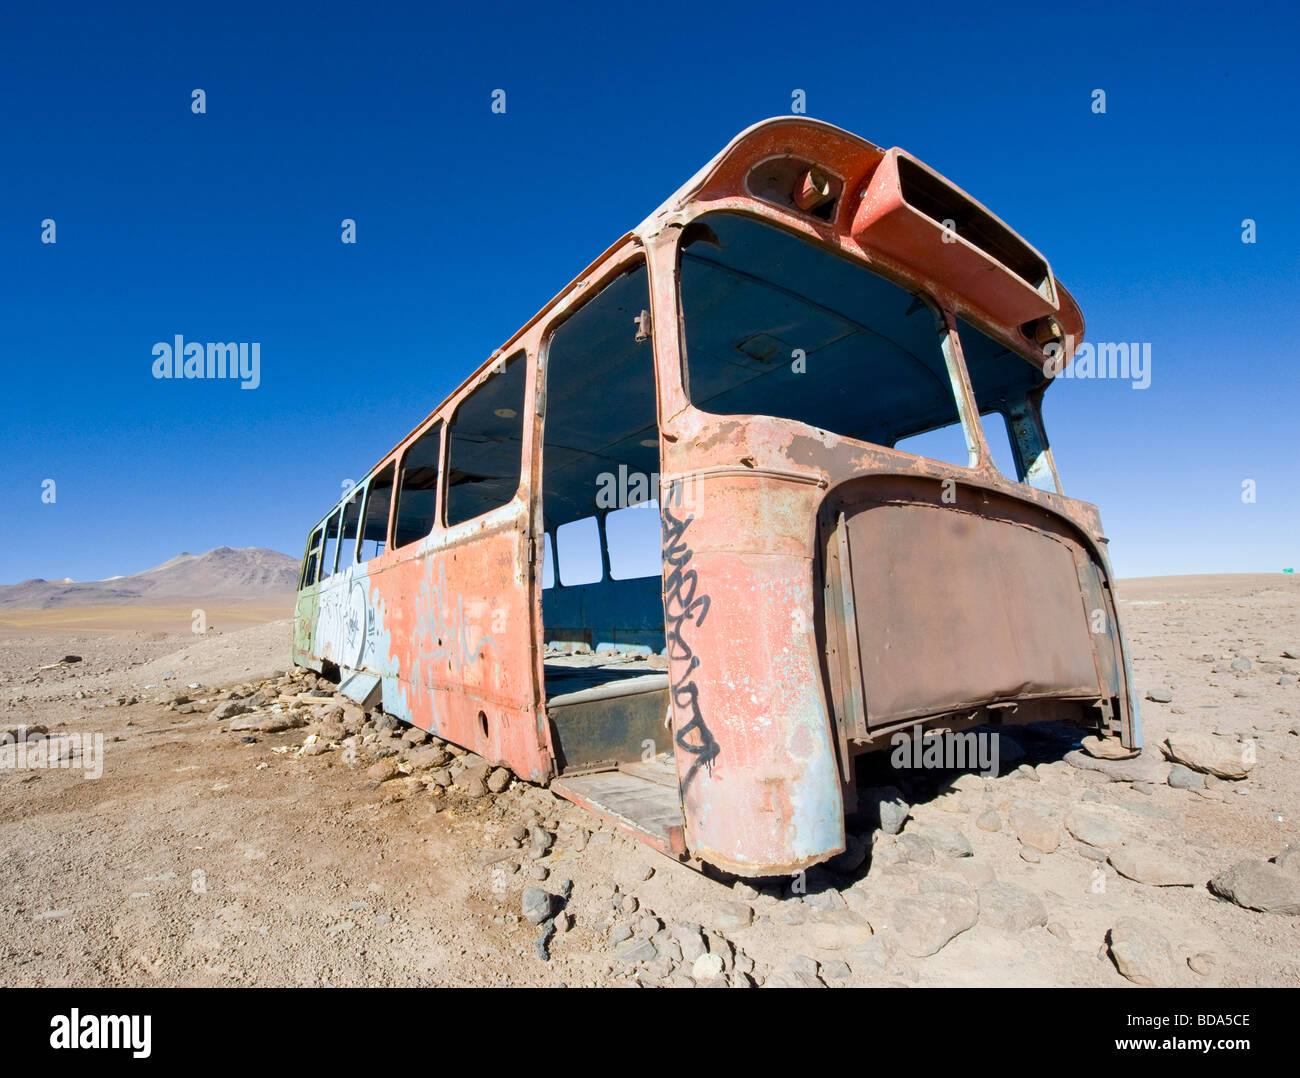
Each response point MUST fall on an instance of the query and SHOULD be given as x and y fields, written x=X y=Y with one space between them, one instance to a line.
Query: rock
x=229 y=710
x=706 y=967
x=1029 y=854
x=1034 y=829
x=1148 y=766
x=836 y=969
x=1259 y=885
x=1141 y=953
x=944 y=883
x=949 y=841
x=1289 y=859
x=839 y=930
x=1184 y=778
x=926 y=922
x=1209 y=754
x=916 y=849
x=498 y=779
x=637 y=950
x=730 y=916
x=1106 y=748
x=619 y=932
x=1010 y=908
x=1093 y=827
x=415 y=736
x=537 y=905
x=268 y=722
x=1241 y=666
x=1146 y=864
x=1161 y=695
x=470 y=783
x=989 y=820
x=1201 y=963
x=885 y=808
x=383 y=770
x=690 y=938
x=428 y=756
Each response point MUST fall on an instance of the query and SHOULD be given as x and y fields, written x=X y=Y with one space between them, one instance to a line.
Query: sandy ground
x=210 y=856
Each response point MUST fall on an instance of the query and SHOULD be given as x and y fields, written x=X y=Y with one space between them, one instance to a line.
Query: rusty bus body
x=816 y=588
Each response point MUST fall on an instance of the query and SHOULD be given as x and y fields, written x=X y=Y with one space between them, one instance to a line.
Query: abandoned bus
x=766 y=484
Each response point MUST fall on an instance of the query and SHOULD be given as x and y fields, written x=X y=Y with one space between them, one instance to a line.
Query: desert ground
x=250 y=828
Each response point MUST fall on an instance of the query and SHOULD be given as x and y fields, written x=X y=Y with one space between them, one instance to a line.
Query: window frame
x=519 y=355
x=399 y=484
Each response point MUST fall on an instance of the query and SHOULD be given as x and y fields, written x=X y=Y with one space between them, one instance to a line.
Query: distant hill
x=225 y=573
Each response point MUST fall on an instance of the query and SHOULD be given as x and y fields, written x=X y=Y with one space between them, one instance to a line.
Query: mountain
x=225 y=573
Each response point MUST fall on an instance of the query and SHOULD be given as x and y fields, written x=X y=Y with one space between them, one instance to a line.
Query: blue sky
x=225 y=226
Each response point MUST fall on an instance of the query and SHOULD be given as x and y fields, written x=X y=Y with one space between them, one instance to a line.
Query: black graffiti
x=682 y=605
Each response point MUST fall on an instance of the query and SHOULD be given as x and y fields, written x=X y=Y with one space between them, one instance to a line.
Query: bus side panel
x=304 y=621
x=760 y=784
x=458 y=658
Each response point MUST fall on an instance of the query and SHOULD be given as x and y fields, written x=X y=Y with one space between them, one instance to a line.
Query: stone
x=537 y=905
x=498 y=779
x=1148 y=766
x=383 y=770
x=1289 y=859
x=1162 y=694
x=1206 y=753
x=229 y=710
x=706 y=967
x=690 y=938
x=839 y=930
x=1034 y=829
x=926 y=922
x=885 y=808
x=1093 y=827
x=949 y=841
x=731 y=916
x=916 y=849
x=1152 y=866
x=1141 y=953
x=989 y=820
x=637 y=950
x=1184 y=778
x=1010 y=908
x=268 y=722
x=428 y=756
x=836 y=969
x=1106 y=748
x=1201 y=963
x=470 y=783
x=1259 y=885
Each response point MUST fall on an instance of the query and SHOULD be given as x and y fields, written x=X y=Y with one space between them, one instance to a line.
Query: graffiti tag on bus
x=682 y=605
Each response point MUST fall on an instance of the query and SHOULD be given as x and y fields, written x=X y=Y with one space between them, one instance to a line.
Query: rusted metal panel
x=961 y=606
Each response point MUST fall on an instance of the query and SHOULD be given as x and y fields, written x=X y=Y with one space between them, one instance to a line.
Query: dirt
x=210 y=856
